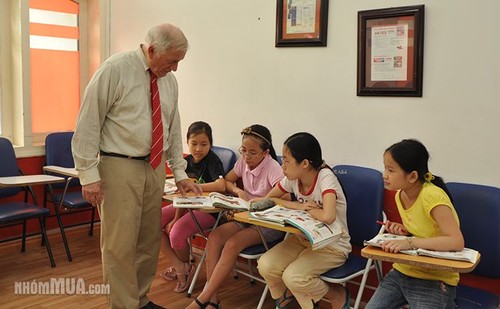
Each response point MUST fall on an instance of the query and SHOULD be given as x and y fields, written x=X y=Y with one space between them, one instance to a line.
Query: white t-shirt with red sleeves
x=325 y=182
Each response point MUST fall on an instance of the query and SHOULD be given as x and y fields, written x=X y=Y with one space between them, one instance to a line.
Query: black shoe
x=152 y=305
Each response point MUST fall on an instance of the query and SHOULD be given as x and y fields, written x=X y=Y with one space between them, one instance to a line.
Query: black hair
x=263 y=135
x=198 y=127
x=411 y=155
x=304 y=146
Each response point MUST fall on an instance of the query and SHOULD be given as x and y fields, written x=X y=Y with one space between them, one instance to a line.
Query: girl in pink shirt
x=259 y=171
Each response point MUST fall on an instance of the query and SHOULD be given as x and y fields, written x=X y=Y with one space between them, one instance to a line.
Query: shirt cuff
x=89 y=176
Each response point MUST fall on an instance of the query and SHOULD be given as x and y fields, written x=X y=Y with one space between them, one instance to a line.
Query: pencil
x=380 y=222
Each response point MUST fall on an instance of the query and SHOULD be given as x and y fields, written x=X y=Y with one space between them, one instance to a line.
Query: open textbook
x=467 y=255
x=213 y=200
x=318 y=233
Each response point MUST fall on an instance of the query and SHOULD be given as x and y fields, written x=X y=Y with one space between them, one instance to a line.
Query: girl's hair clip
x=429 y=177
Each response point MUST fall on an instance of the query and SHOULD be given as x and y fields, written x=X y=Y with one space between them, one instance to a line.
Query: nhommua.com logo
x=60 y=286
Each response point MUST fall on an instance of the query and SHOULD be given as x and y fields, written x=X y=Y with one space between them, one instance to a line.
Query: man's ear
x=151 y=51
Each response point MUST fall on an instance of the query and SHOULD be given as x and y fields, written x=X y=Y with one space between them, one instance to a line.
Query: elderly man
x=128 y=126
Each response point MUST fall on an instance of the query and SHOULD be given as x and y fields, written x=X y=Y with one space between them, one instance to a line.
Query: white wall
x=233 y=76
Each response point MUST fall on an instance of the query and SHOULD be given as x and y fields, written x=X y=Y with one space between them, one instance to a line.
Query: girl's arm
x=451 y=238
x=280 y=198
x=328 y=213
x=216 y=186
x=231 y=187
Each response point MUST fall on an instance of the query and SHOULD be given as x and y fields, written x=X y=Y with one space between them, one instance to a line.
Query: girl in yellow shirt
x=428 y=216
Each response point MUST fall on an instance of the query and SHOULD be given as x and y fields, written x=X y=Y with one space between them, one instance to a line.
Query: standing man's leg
x=148 y=244
x=120 y=212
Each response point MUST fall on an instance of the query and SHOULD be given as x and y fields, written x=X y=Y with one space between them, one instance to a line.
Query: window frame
x=15 y=85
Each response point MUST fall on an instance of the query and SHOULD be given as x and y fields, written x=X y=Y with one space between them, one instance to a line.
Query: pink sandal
x=181 y=287
x=169 y=274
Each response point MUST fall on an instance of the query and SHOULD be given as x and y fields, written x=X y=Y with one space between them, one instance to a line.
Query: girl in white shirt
x=292 y=268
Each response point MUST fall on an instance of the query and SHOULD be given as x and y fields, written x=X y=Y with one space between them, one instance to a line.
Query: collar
x=140 y=54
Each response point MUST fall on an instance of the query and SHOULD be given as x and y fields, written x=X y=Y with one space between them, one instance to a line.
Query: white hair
x=167 y=36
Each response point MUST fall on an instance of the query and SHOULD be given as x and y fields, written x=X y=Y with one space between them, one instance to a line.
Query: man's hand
x=187 y=185
x=93 y=193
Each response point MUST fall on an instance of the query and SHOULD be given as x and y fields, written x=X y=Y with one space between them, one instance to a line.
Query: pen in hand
x=384 y=223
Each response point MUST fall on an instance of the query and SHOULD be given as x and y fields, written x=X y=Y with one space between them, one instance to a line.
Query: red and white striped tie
x=157 y=138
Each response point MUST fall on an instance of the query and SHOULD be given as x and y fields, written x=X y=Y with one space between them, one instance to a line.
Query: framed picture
x=391 y=51
x=301 y=23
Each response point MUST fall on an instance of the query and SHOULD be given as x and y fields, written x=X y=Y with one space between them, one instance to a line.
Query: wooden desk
x=418 y=260
x=243 y=217
x=66 y=171
x=29 y=180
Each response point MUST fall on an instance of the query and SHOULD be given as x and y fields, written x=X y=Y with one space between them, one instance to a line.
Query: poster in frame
x=391 y=51
x=301 y=23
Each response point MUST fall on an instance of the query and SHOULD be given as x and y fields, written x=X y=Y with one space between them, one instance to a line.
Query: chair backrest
x=478 y=208
x=279 y=159
x=58 y=149
x=364 y=191
x=8 y=166
x=227 y=156
x=58 y=152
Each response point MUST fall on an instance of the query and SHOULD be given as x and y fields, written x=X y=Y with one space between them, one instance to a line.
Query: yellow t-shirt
x=418 y=221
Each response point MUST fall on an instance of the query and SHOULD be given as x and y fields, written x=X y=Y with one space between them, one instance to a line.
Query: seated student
x=259 y=171
x=426 y=209
x=291 y=268
x=206 y=168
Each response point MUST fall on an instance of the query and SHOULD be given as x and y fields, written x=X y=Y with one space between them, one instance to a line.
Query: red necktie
x=157 y=138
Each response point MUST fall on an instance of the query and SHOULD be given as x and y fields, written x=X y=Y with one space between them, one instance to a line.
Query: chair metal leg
x=196 y=274
x=378 y=269
x=263 y=297
x=249 y=263
x=23 y=241
x=363 y=283
x=63 y=234
x=47 y=244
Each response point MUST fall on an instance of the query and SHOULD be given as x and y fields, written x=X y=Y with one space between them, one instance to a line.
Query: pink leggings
x=185 y=226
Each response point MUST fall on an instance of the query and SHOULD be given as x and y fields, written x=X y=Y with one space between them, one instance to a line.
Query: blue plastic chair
x=58 y=152
x=14 y=213
x=364 y=191
x=478 y=209
x=227 y=156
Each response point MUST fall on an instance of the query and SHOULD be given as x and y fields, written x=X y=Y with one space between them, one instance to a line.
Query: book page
x=380 y=238
x=227 y=201
x=192 y=202
x=318 y=233
x=315 y=230
x=276 y=214
x=468 y=255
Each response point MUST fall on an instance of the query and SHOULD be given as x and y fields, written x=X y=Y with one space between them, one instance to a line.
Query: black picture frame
x=312 y=28
x=391 y=51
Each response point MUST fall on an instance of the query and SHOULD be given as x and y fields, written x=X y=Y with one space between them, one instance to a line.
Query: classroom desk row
x=369 y=251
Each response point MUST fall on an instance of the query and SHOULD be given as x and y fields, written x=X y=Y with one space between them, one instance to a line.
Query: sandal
x=169 y=274
x=216 y=306
x=182 y=286
x=202 y=306
x=288 y=300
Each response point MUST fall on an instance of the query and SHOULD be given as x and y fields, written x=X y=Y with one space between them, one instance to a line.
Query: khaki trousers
x=293 y=265
x=130 y=228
